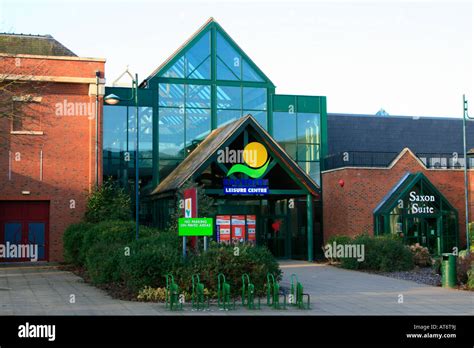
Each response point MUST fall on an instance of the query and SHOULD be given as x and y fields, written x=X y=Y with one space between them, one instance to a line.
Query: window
x=171 y=95
x=195 y=63
x=255 y=98
x=171 y=133
x=229 y=97
x=198 y=125
x=198 y=96
x=25 y=116
x=231 y=65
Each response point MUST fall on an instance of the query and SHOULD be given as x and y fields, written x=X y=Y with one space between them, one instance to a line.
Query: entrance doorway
x=276 y=235
x=25 y=223
x=425 y=231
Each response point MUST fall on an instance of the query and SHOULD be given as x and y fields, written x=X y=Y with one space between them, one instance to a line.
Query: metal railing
x=383 y=159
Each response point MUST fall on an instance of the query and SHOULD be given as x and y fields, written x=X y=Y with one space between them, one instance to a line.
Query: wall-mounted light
x=25 y=192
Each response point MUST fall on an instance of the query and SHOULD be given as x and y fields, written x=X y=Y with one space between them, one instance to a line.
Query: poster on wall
x=238 y=228
x=223 y=228
x=251 y=228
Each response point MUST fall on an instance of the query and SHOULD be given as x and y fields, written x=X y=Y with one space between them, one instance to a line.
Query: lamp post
x=467 y=154
x=112 y=99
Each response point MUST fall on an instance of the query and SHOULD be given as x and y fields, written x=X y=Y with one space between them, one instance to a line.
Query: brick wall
x=348 y=210
x=67 y=143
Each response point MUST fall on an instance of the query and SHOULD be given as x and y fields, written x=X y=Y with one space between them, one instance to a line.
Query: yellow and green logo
x=256 y=160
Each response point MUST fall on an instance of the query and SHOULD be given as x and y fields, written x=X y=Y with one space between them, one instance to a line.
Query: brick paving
x=47 y=291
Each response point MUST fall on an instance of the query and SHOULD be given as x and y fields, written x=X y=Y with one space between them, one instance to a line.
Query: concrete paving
x=48 y=291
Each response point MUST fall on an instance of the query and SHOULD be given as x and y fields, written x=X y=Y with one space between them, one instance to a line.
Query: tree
x=108 y=202
x=21 y=94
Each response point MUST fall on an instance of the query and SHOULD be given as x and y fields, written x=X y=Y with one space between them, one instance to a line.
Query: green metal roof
x=41 y=45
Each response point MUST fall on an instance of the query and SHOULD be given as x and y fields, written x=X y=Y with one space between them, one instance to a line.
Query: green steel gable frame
x=392 y=201
x=271 y=150
x=213 y=27
x=155 y=79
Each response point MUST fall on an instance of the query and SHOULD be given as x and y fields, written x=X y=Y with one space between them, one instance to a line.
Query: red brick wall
x=67 y=144
x=348 y=210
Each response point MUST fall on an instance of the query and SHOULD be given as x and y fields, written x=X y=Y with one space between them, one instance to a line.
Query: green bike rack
x=172 y=294
x=273 y=293
x=248 y=293
x=223 y=293
x=197 y=299
x=297 y=293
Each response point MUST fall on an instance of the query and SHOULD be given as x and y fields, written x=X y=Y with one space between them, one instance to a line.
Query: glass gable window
x=195 y=63
x=255 y=98
x=171 y=133
x=231 y=65
x=198 y=125
x=198 y=59
x=198 y=96
x=171 y=95
x=416 y=211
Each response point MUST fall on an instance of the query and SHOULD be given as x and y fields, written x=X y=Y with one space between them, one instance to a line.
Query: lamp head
x=112 y=99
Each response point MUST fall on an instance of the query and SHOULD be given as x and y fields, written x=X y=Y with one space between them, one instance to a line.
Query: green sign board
x=195 y=227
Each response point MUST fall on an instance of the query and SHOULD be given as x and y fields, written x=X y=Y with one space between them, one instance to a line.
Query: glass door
x=276 y=236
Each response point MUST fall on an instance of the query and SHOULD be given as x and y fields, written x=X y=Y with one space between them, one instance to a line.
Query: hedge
x=110 y=254
x=381 y=253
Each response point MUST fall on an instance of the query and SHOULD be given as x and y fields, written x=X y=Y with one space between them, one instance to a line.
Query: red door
x=25 y=224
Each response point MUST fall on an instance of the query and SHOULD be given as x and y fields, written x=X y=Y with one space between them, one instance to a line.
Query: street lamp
x=467 y=154
x=112 y=99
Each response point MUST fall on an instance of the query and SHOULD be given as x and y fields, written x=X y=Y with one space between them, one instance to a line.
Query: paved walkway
x=47 y=291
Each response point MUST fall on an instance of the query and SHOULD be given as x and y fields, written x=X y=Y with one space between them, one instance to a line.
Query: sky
x=407 y=57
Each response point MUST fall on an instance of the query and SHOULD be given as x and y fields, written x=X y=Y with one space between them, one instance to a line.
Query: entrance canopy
x=417 y=211
x=240 y=156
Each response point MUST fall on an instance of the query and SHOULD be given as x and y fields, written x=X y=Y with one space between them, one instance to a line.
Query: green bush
x=72 y=242
x=110 y=254
x=150 y=259
x=102 y=262
x=465 y=263
x=382 y=253
x=254 y=260
x=108 y=202
x=470 y=280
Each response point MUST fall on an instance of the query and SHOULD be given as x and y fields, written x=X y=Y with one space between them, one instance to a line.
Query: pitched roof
x=370 y=133
x=407 y=182
x=215 y=140
x=41 y=45
x=181 y=48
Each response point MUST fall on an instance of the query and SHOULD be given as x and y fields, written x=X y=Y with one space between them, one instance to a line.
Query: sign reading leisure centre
x=195 y=227
x=253 y=162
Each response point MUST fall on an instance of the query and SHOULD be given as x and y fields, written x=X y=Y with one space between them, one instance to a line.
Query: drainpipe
x=97 y=80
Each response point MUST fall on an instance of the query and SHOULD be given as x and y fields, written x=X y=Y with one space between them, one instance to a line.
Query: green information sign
x=195 y=227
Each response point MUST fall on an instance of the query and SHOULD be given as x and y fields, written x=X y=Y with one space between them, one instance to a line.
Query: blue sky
x=408 y=57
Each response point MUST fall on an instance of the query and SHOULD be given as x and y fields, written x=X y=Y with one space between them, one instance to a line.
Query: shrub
x=108 y=202
x=256 y=261
x=72 y=242
x=465 y=262
x=102 y=262
x=421 y=255
x=101 y=247
x=382 y=253
x=470 y=279
x=150 y=259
